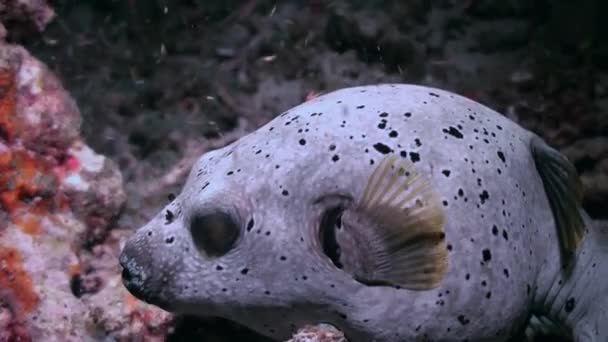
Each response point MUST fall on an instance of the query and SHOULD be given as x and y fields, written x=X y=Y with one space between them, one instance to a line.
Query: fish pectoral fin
x=406 y=238
x=564 y=191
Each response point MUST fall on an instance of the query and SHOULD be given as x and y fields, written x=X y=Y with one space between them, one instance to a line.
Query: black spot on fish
x=446 y=173
x=285 y=193
x=332 y=147
x=501 y=156
x=489 y=294
x=383 y=114
x=302 y=142
x=506 y=272
x=335 y=158
x=505 y=235
x=171 y=197
x=393 y=134
x=453 y=132
x=434 y=95
x=403 y=154
x=408 y=114
x=250 y=225
x=360 y=107
x=380 y=147
x=244 y=271
x=484 y=196
x=415 y=157
x=494 y=230
x=570 y=304
x=487 y=255
x=463 y=320
x=169 y=216
x=417 y=141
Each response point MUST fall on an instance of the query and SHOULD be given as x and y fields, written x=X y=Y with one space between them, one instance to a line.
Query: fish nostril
x=126 y=275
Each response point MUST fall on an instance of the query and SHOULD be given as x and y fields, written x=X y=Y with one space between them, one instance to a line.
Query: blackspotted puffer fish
x=394 y=212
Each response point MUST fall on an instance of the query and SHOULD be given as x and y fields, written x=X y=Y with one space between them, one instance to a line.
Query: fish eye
x=214 y=234
x=330 y=222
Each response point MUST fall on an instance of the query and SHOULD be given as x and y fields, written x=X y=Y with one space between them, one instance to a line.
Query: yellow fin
x=406 y=239
x=564 y=191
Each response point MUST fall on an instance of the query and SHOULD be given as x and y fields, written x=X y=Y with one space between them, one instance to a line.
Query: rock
x=234 y=38
x=47 y=119
x=489 y=9
x=506 y=36
x=375 y=38
x=318 y=333
x=590 y=156
x=36 y=11
x=57 y=196
x=521 y=77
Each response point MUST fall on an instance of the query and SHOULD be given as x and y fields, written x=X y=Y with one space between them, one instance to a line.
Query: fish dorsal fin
x=405 y=234
x=564 y=191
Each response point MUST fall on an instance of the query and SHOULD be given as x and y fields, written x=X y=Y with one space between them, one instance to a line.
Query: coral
x=58 y=199
x=318 y=333
x=36 y=11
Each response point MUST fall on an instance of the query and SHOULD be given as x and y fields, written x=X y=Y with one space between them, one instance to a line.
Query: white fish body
x=394 y=212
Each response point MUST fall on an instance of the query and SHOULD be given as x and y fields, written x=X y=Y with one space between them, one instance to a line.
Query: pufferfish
x=394 y=212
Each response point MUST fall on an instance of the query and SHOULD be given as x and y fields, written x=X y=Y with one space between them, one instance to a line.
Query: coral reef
x=58 y=200
x=37 y=12
x=318 y=333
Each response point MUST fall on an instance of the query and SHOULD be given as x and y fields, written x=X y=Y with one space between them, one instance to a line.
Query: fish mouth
x=139 y=283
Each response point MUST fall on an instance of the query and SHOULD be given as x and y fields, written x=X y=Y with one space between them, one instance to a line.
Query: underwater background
x=157 y=83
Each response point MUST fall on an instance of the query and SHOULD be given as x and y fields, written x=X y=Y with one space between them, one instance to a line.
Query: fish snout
x=137 y=277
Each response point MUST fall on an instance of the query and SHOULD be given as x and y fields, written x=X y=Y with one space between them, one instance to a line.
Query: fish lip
x=136 y=280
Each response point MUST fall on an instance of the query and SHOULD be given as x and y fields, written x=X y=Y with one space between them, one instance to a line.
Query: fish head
x=245 y=235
